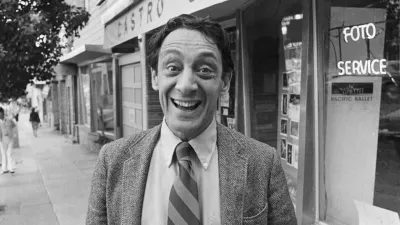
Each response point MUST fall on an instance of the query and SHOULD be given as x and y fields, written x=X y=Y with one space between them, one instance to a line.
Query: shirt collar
x=204 y=144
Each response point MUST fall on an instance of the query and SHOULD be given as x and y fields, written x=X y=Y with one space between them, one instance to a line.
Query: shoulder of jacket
x=254 y=149
x=121 y=146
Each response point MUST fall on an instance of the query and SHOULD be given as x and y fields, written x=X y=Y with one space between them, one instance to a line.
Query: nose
x=186 y=82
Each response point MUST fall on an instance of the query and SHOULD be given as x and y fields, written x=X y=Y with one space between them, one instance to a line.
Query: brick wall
x=62 y=107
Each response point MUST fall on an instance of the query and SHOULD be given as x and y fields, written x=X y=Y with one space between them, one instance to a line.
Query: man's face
x=189 y=81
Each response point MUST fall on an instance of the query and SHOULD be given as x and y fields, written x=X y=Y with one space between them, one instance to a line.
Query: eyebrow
x=208 y=54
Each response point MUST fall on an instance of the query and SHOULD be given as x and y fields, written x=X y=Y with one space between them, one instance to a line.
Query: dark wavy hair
x=206 y=26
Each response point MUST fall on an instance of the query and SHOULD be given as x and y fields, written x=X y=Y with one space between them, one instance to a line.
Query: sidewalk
x=52 y=181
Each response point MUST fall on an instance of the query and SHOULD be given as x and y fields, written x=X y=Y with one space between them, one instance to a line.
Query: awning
x=145 y=16
x=83 y=53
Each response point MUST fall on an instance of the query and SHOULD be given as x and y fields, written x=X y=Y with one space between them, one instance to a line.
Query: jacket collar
x=232 y=175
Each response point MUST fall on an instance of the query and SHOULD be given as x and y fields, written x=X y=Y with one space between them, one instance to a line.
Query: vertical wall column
x=62 y=107
x=142 y=47
x=117 y=97
x=55 y=106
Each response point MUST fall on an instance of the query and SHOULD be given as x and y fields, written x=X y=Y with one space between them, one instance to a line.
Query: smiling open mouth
x=186 y=105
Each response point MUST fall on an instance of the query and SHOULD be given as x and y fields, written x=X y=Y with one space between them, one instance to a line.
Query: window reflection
x=363 y=123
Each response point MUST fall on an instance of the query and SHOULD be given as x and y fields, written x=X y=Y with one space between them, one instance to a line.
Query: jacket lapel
x=232 y=176
x=135 y=172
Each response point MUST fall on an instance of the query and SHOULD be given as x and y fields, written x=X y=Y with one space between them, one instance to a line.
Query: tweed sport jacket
x=253 y=186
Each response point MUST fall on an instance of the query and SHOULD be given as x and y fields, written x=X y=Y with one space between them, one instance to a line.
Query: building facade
x=317 y=80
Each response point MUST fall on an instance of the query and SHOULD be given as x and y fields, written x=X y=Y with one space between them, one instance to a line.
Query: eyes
x=204 y=71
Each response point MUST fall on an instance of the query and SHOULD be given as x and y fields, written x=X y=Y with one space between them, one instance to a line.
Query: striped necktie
x=183 y=207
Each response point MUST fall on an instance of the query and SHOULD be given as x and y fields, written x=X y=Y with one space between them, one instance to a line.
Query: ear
x=226 y=82
x=154 y=79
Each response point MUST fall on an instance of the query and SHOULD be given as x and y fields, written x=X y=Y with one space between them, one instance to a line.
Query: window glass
x=273 y=45
x=103 y=96
x=85 y=85
x=362 y=156
x=226 y=110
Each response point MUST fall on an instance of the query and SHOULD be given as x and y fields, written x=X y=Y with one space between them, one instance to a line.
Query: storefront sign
x=148 y=15
x=361 y=67
x=347 y=92
x=361 y=31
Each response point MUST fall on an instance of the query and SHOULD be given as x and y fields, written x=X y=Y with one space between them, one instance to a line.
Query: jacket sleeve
x=30 y=117
x=280 y=206
x=97 y=210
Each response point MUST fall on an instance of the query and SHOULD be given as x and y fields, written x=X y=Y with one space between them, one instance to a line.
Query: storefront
x=317 y=80
x=87 y=96
x=359 y=72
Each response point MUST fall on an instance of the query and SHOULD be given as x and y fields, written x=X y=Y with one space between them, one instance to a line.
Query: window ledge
x=107 y=134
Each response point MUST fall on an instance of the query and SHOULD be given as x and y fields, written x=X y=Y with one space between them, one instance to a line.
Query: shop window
x=102 y=97
x=362 y=141
x=273 y=46
x=85 y=98
x=226 y=112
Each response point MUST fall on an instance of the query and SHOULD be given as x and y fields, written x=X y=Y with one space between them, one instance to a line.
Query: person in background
x=35 y=120
x=14 y=109
x=7 y=126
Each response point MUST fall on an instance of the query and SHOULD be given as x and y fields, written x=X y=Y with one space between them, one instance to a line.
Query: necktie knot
x=183 y=150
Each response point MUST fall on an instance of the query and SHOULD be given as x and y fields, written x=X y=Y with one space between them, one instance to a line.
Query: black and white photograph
x=295 y=156
x=294 y=99
x=284 y=104
x=285 y=82
x=158 y=112
x=289 y=154
x=294 y=129
x=294 y=107
x=284 y=127
x=283 y=148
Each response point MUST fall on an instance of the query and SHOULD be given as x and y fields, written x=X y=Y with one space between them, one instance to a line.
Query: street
x=52 y=181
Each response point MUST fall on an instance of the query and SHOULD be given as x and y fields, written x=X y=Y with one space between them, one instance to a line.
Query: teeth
x=185 y=104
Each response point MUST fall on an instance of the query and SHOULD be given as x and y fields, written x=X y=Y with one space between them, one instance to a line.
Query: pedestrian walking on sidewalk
x=35 y=120
x=7 y=126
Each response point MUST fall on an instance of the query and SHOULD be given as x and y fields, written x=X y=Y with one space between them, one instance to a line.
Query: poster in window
x=283 y=148
x=289 y=154
x=295 y=89
x=284 y=126
x=294 y=77
x=284 y=104
x=225 y=100
x=295 y=156
x=294 y=129
x=294 y=107
x=230 y=122
x=285 y=83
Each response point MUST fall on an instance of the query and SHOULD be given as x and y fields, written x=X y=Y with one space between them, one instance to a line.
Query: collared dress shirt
x=164 y=169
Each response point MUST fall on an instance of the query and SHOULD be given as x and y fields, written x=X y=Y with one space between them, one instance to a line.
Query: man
x=190 y=169
x=6 y=144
